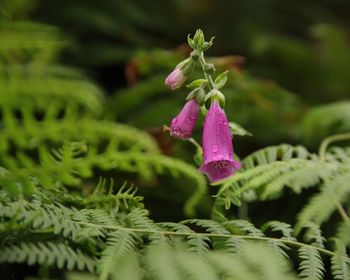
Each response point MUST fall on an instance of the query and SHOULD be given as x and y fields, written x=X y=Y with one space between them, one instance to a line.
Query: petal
x=221 y=169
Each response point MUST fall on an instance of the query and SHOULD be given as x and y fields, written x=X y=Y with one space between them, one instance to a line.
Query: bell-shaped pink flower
x=217 y=145
x=183 y=124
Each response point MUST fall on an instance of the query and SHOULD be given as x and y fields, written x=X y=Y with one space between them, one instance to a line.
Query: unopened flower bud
x=179 y=75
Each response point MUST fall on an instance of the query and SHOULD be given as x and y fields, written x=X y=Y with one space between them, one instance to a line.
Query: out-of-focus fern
x=322 y=205
x=48 y=254
x=115 y=236
x=45 y=106
x=335 y=119
x=53 y=146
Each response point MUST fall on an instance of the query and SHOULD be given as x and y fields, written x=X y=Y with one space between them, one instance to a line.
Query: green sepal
x=197 y=83
x=209 y=95
x=198 y=38
x=206 y=45
x=190 y=42
x=198 y=94
x=221 y=80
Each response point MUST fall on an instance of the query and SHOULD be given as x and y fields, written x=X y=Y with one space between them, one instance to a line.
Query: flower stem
x=195 y=143
x=209 y=78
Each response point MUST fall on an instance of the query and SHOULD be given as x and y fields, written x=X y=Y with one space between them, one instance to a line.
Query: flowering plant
x=218 y=161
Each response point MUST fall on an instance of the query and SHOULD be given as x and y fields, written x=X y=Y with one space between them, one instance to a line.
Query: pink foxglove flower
x=183 y=124
x=217 y=145
x=179 y=75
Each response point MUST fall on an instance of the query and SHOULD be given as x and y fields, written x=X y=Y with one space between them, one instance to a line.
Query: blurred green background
x=290 y=56
x=289 y=79
x=289 y=62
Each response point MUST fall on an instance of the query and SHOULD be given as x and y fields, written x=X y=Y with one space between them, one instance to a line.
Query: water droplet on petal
x=215 y=148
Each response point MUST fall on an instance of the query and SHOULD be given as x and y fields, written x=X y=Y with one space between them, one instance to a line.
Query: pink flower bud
x=183 y=124
x=175 y=79
x=181 y=72
x=217 y=145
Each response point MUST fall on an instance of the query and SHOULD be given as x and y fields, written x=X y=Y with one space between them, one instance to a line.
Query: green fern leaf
x=311 y=266
x=119 y=244
x=47 y=253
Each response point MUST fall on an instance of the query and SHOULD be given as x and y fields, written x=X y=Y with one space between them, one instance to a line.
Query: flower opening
x=217 y=145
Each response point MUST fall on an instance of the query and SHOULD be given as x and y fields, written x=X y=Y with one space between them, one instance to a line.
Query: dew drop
x=215 y=148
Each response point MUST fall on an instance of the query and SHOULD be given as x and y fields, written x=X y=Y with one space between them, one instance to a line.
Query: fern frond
x=209 y=225
x=311 y=266
x=343 y=235
x=314 y=234
x=284 y=228
x=196 y=243
x=340 y=263
x=267 y=171
x=128 y=267
x=118 y=136
x=160 y=263
x=322 y=205
x=33 y=95
x=138 y=218
x=118 y=245
x=244 y=227
x=27 y=41
x=47 y=253
x=335 y=119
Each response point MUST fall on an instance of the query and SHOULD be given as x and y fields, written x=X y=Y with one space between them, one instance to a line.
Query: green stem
x=194 y=142
x=322 y=155
x=164 y=232
x=202 y=62
x=327 y=141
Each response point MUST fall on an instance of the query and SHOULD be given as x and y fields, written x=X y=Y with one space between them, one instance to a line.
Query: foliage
x=60 y=217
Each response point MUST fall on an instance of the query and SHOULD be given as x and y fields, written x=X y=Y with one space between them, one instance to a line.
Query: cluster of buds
x=218 y=162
